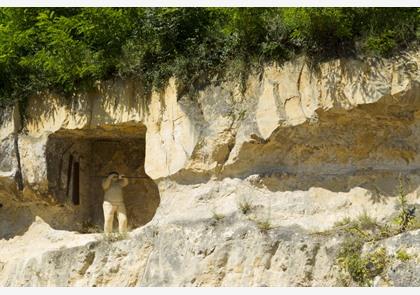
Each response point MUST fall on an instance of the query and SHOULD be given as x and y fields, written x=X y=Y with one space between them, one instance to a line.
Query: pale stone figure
x=114 y=202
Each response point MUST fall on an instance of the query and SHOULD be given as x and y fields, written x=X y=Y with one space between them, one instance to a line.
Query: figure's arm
x=123 y=181
x=106 y=183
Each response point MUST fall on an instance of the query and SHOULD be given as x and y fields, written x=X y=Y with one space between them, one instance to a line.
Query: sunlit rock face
x=305 y=146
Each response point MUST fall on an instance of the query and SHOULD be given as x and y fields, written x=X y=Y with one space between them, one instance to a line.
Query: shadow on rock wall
x=370 y=146
x=18 y=211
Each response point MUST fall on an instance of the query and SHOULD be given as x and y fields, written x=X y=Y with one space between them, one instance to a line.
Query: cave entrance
x=78 y=161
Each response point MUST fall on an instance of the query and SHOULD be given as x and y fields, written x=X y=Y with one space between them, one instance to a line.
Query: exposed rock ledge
x=305 y=146
x=231 y=253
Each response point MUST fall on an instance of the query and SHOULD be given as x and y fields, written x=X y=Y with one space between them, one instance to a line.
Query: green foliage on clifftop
x=68 y=49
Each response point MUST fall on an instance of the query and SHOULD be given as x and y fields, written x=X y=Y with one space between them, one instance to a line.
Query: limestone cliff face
x=305 y=146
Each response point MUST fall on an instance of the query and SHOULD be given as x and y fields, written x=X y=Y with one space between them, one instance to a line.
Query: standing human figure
x=114 y=202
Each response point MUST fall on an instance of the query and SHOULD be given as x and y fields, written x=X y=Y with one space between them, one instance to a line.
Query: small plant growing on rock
x=358 y=268
x=360 y=225
x=406 y=216
x=402 y=255
x=217 y=217
x=349 y=259
x=264 y=225
x=377 y=262
x=343 y=222
x=385 y=231
x=352 y=229
x=362 y=269
x=245 y=207
x=366 y=222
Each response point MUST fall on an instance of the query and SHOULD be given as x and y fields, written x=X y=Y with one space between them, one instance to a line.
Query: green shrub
x=362 y=269
x=377 y=262
x=349 y=259
x=364 y=229
x=381 y=44
x=68 y=49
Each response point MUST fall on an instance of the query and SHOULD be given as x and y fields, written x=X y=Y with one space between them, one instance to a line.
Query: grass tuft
x=245 y=207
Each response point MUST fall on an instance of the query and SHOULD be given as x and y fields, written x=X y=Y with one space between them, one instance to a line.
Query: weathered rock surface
x=400 y=273
x=305 y=147
x=228 y=252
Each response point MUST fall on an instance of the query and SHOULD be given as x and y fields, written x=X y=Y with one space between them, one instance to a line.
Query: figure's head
x=114 y=173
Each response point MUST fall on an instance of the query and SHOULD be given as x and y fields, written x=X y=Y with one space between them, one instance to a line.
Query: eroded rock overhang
x=339 y=116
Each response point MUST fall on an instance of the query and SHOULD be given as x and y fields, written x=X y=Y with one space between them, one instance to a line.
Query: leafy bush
x=364 y=229
x=68 y=49
x=319 y=30
x=361 y=268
